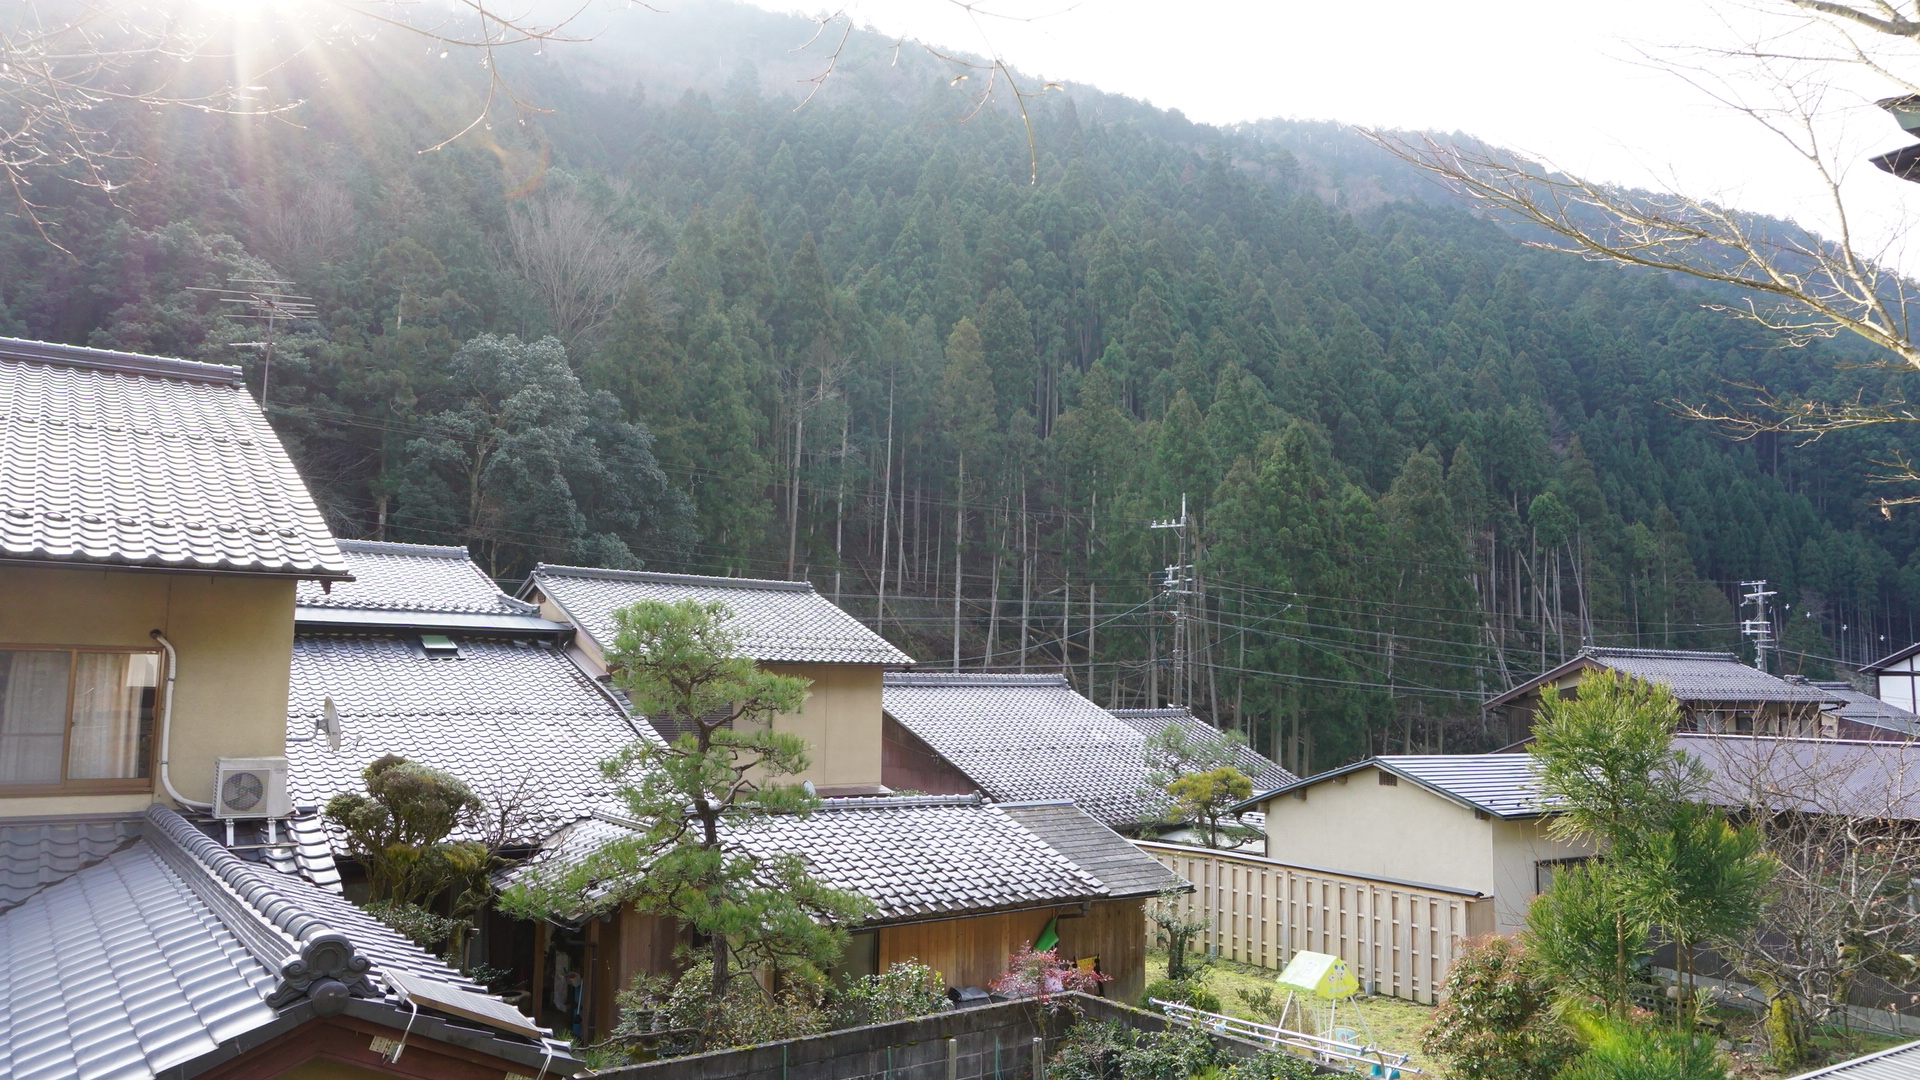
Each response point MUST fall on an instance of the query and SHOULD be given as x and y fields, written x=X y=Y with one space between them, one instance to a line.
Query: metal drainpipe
x=166 y=727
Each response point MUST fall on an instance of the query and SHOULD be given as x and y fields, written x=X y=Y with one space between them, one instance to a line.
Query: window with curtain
x=74 y=715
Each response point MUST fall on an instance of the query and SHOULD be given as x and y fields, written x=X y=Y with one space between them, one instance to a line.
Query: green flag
x=1048 y=937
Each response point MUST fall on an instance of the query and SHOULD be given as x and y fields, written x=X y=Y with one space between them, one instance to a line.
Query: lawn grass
x=1396 y=1025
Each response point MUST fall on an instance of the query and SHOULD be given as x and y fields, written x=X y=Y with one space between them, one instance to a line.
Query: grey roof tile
x=123 y=459
x=1123 y=868
x=158 y=953
x=36 y=854
x=1503 y=785
x=514 y=719
x=1862 y=778
x=1703 y=676
x=1262 y=770
x=1026 y=738
x=412 y=577
x=1866 y=709
x=913 y=857
x=778 y=621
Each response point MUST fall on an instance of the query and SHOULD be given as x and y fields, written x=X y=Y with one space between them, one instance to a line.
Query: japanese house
x=155 y=915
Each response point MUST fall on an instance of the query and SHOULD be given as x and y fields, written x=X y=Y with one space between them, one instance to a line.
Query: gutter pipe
x=166 y=727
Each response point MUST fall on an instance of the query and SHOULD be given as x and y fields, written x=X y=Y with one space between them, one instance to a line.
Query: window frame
x=137 y=785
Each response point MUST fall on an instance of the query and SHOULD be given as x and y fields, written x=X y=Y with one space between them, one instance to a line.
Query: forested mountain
x=680 y=321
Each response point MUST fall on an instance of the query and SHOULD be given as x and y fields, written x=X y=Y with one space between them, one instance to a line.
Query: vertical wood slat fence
x=1399 y=938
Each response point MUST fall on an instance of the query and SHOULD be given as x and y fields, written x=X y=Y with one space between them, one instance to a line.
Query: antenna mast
x=1758 y=629
x=1178 y=584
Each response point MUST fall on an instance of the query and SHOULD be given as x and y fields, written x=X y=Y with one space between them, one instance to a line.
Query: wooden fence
x=1398 y=937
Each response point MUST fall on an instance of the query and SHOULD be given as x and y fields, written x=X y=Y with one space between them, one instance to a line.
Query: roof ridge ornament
x=313 y=960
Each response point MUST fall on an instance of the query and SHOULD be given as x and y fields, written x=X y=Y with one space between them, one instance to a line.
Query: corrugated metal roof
x=169 y=947
x=1856 y=777
x=412 y=577
x=1896 y=1063
x=1124 y=869
x=1866 y=709
x=1503 y=785
x=514 y=719
x=1026 y=738
x=778 y=621
x=133 y=460
x=914 y=858
x=1262 y=770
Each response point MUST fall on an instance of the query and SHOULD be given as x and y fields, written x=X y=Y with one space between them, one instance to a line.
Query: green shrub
x=1272 y=1065
x=1111 y=1051
x=1496 y=1021
x=1643 y=1051
x=1192 y=992
x=905 y=990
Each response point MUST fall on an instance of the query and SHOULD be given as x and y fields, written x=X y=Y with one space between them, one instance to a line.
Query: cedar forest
x=676 y=319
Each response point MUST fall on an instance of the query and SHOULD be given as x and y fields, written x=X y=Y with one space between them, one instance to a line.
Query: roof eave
x=174 y=567
x=1540 y=680
x=307 y=617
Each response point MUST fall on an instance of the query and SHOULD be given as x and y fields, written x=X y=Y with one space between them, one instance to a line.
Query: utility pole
x=1177 y=584
x=1758 y=629
x=261 y=300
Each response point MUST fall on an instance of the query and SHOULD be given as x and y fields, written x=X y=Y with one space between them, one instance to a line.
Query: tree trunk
x=959 y=536
x=793 y=494
x=886 y=521
x=840 y=507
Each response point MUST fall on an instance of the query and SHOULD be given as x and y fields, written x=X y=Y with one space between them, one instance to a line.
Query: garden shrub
x=1272 y=1065
x=1109 y=1050
x=1496 y=1021
x=1192 y=992
x=1642 y=1050
x=905 y=990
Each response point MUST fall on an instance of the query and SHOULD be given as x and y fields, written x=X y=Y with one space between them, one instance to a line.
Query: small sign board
x=1319 y=974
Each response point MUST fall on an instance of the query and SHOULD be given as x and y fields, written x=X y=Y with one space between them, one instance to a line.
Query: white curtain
x=109 y=690
x=33 y=716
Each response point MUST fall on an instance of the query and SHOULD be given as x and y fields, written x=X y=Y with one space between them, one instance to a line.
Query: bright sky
x=1568 y=82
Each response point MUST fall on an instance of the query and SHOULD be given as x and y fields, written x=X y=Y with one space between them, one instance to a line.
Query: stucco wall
x=1405 y=832
x=841 y=722
x=1517 y=847
x=235 y=639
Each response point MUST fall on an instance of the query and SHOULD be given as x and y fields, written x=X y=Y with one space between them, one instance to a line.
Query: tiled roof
x=1704 y=676
x=514 y=719
x=412 y=577
x=36 y=854
x=1895 y=1063
x=1503 y=785
x=778 y=621
x=1124 y=869
x=1026 y=738
x=136 y=460
x=914 y=858
x=1869 y=710
x=1259 y=768
x=170 y=952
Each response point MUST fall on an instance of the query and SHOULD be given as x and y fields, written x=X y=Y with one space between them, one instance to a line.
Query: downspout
x=166 y=727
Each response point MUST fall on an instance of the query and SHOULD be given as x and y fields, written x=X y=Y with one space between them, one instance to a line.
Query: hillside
x=1421 y=459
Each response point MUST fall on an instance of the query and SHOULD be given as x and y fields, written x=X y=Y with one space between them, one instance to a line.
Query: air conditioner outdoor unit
x=250 y=788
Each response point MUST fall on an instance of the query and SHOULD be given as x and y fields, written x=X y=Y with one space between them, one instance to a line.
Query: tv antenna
x=264 y=301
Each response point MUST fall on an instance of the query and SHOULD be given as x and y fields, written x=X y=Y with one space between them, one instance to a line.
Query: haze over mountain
x=1421 y=460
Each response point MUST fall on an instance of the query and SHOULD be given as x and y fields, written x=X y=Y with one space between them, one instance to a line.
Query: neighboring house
x=1463 y=821
x=1716 y=692
x=1895 y=1063
x=1860 y=715
x=784 y=626
x=1894 y=678
x=1873 y=779
x=1016 y=738
x=152 y=532
x=1262 y=770
x=424 y=658
x=956 y=883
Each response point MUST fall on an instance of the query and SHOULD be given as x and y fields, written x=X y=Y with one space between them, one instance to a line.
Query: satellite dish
x=330 y=724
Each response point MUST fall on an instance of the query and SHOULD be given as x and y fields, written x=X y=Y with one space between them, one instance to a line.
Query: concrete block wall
x=991 y=1042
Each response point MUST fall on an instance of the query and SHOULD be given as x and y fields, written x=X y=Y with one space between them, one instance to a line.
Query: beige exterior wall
x=840 y=721
x=234 y=635
x=1362 y=828
x=1518 y=846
